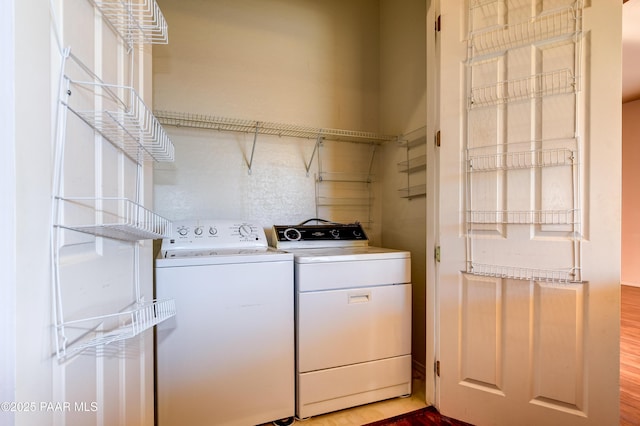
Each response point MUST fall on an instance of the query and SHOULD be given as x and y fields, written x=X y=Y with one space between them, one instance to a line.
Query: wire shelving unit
x=117 y=113
x=489 y=49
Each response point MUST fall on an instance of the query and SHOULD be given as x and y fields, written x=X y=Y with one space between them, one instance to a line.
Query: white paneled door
x=98 y=278
x=529 y=211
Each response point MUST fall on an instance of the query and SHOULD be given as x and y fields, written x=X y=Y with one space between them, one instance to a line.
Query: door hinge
x=437 y=138
x=436 y=254
x=438 y=24
x=436 y=368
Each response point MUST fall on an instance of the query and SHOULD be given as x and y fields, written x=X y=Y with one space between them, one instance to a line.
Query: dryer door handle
x=359 y=297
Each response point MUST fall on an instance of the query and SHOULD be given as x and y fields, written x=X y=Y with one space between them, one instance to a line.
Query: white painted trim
x=7 y=211
x=432 y=218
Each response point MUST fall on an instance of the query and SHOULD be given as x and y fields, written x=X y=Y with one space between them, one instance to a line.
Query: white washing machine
x=353 y=317
x=227 y=357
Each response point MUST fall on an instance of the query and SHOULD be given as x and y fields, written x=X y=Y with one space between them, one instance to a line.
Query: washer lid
x=347 y=254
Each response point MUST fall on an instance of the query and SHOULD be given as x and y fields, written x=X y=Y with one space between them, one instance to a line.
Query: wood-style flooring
x=630 y=356
x=376 y=411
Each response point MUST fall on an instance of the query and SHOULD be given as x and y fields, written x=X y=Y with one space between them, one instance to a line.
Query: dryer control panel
x=324 y=235
x=215 y=234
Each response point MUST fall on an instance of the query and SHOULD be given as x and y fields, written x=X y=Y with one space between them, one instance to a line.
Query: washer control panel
x=215 y=234
x=325 y=235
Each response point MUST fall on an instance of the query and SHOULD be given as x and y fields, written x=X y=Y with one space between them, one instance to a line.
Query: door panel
x=528 y=212
x=558 y=346
x=481 y=333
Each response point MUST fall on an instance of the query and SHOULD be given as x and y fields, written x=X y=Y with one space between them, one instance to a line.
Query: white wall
x=630 y=201
x=403 y=110
x=297 y=62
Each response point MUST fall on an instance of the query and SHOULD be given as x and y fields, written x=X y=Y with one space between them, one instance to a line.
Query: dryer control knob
x=292 y=234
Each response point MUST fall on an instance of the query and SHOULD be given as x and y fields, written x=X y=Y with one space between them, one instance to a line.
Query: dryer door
x=349 y=326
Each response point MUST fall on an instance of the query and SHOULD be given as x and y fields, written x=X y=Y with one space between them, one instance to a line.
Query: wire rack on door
x=118 y=116
x=117 y=112
x=519 y=156
x=119 y=218
x=555 y=82
x=86 y=333
x=546 y=50
x=137 y=22
x=522 y=273
x=547 y=27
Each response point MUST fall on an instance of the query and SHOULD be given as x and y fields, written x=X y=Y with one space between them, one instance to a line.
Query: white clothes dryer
x=353 y=317
x=227 y=357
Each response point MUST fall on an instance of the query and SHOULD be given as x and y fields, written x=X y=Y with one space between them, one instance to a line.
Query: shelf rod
x=253 y=148
x=313 y=154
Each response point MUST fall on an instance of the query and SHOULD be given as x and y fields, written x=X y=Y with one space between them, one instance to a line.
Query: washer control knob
x=245 y=230
x=335 y=233
x=198 y=231
x=183 y=231
x=213 y=230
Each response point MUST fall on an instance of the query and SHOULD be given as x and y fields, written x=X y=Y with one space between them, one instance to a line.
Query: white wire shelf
x=344 y=201
x=201 y=121
x=116 y=218
x=137 y=22
x=533 y=217
x=413 y=165
x=547 y=26
x=354 y=177
x=414 y=138
x=481 y=3
x=482 y=162
x=123 y=119
x=557 y=82
x=561 y=276
x=413 y=191
x=105 y=329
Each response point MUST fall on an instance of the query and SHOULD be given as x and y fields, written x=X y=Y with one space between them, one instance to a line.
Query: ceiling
x=630 y=50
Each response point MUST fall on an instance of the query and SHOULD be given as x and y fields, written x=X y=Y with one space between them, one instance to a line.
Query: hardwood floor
x=630 y=356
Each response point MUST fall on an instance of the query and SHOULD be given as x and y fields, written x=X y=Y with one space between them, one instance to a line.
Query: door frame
x=432 y=222
x=7 y=212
